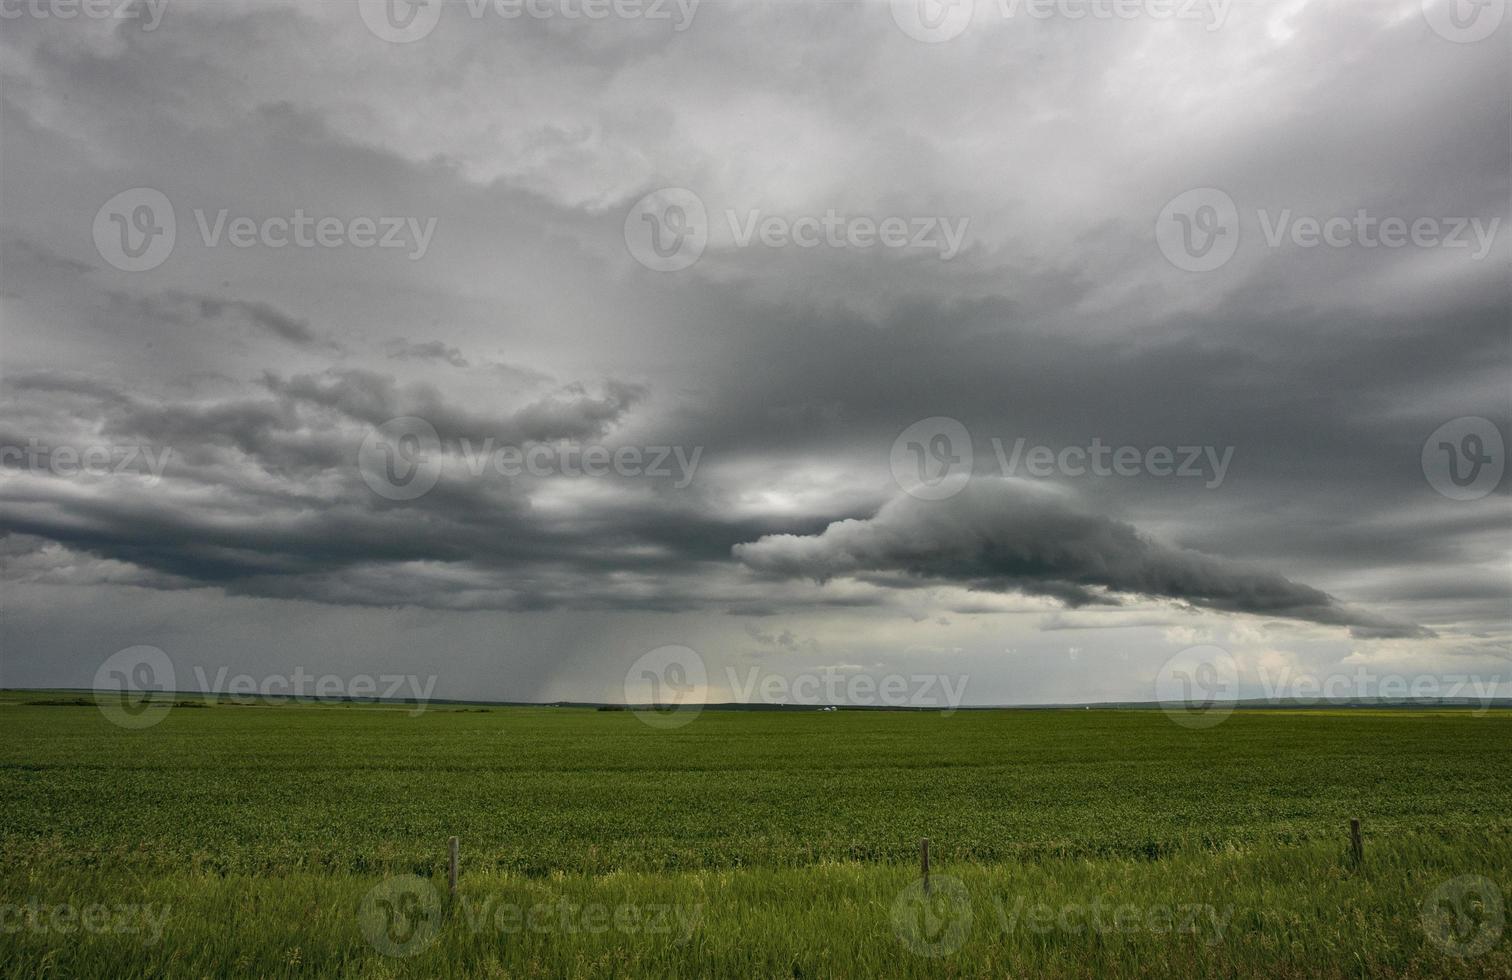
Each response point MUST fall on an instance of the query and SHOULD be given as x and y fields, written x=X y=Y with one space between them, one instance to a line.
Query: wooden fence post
x=451 y=874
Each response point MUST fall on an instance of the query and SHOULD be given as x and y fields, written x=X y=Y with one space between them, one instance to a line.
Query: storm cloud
x=1001 y=535
x=257 y=373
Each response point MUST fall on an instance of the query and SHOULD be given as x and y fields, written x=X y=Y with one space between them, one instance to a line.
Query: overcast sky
x=739 y=326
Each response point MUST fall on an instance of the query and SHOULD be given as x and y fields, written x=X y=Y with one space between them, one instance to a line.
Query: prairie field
x=297 y=840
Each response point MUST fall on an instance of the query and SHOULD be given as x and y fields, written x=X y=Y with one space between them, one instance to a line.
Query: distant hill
x=84 y=697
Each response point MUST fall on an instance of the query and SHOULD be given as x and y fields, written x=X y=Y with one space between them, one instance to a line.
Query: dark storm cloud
x=171 y=305
x=433 y=350
x=174 y=306
x=1006 y=536
x=24 y=252
x=264 y=315
x=263 y=496
x=1326 y=412
x=1060 y=322
x=303 y=428
x=67 y=383
x=365 y=396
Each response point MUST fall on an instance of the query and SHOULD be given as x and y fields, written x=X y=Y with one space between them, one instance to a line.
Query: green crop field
x=312 y=840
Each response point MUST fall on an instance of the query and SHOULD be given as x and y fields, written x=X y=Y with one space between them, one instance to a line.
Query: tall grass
x=1298 y=911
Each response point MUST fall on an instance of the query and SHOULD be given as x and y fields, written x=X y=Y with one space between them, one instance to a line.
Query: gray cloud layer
x=793 y=369
x=1000 y=535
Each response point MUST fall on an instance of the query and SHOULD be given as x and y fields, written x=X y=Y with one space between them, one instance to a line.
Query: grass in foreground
x=1298 y=911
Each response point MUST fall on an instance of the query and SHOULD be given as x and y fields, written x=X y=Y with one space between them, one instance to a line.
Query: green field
x=251 y=839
